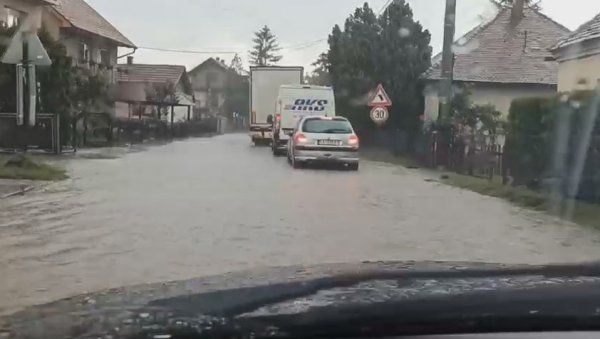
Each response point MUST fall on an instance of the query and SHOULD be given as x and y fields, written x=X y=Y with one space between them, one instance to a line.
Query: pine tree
x=264 y=52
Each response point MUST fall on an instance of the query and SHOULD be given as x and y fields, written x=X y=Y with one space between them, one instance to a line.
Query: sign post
x=26 y=51
x=380 y=101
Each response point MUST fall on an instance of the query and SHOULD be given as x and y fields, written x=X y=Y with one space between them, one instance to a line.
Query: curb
x=21 y=192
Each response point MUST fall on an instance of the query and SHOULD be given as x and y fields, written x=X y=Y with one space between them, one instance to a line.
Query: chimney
x=517 y=11
x=130 y=60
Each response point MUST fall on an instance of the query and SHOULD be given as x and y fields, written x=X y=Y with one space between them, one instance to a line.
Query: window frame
x=13 y=16
x=83 y=53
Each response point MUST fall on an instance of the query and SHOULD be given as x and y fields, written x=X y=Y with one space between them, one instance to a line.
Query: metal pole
x=447 y=61
x=26 y=93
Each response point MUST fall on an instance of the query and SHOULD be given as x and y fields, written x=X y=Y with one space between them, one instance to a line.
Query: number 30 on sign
x=379 y=115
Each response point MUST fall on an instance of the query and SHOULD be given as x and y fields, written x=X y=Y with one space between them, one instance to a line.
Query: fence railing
x=45 y=135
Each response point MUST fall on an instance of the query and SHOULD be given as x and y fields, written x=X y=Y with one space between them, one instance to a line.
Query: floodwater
x=207 y=206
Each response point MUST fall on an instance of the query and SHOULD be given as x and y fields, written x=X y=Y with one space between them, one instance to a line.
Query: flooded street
x=207 y=206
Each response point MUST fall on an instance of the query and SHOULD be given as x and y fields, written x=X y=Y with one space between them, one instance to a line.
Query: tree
x=320 y=74
x=531 y=3
x=162 y=95
x=66 y=90
x=404 y=54
x=264 y=51
x=352 y=58
x=236 y=65
x=392 y=49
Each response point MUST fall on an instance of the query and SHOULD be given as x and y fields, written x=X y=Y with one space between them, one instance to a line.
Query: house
x=209 y=81
x=134 y=82
x=578 y=56
x=90 y=39
x=501 y=60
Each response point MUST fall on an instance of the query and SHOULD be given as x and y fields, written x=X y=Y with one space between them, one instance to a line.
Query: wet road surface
x=207 y=206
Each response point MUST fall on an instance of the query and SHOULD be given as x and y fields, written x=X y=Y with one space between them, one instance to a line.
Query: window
x=84 y=52
x=330 y=126
x=13 y=17
x=104 y=57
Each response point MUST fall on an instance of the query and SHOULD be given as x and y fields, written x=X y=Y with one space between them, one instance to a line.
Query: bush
x=545 y=138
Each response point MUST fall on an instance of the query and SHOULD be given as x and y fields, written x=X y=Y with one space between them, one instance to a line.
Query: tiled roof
x=588 y=31
x=499 y=52
x=83 y=16
x=150 y=73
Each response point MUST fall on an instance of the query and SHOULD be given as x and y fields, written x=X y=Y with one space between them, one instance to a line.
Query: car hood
x=211 y=301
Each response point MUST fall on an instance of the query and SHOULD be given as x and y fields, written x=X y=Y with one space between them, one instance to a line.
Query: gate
x=45 y=135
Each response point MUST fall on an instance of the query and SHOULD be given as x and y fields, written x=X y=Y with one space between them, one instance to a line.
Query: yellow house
x=504 y=59
x=579 y=58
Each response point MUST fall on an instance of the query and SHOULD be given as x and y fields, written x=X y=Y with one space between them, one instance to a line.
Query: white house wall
x=501 y=96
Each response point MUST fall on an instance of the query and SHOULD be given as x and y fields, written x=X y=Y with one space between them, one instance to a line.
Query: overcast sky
x=227 y=25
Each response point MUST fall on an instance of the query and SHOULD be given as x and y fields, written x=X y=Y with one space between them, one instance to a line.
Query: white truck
x=265 y=82
x=295 y=102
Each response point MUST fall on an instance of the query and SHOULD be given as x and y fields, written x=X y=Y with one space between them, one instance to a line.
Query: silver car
x=320 y=139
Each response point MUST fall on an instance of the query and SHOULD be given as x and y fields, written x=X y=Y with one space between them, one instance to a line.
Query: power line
x=186 y=51
x=384 y=7
x=298 y=46
x=303 y=45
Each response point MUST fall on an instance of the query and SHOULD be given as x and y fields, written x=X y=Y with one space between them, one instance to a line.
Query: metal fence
x=45 y=135
x=483 y=158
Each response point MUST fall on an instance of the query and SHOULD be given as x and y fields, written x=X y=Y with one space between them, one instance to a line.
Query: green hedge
x=544 y=138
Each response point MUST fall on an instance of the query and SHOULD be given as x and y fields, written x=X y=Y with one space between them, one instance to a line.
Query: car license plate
x=329 y=142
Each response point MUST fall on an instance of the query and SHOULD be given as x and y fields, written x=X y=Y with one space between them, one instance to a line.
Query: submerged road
x=207 y=206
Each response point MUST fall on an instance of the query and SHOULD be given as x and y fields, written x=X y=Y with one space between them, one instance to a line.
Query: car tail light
x=300 y=138
x=353 y=140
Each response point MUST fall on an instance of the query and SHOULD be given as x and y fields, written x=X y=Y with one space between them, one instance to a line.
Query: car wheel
x=296 y=164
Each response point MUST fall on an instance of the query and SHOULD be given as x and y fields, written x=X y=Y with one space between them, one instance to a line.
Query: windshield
x=142 y=144
x=327 y=126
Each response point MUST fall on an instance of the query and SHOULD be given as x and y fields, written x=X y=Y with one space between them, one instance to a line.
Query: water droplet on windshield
x=404 y=32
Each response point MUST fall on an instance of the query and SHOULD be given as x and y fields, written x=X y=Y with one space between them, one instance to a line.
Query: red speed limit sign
x=380 y=115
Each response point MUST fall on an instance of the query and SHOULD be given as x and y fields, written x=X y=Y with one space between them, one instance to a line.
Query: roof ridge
x=472 y=33
x=120 y=36
x=494 y=51
x=551 y=20
x=206 y=61
x=565 y=42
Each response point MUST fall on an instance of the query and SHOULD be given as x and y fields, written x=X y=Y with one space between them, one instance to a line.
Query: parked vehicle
x=264 y=89
x=321 y=139
x=295 y=102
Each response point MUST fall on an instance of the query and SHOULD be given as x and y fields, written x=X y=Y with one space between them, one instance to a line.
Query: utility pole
x=447 y=62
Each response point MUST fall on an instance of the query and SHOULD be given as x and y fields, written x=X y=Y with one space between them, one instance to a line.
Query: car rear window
x=327 y=126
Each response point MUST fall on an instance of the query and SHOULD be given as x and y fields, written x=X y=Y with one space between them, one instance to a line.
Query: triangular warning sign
x=380 y=98
x=37 y=52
